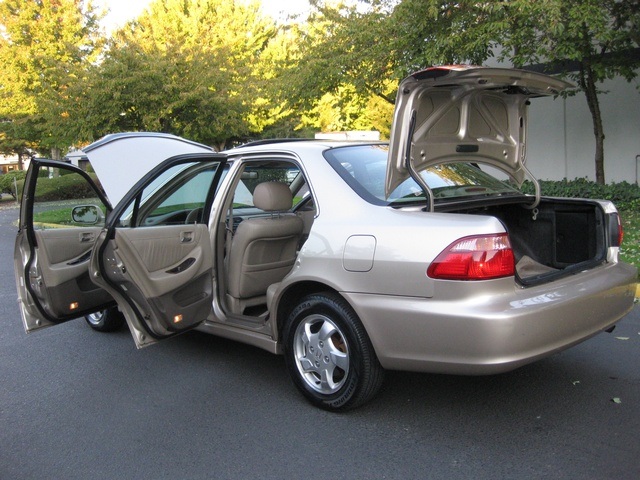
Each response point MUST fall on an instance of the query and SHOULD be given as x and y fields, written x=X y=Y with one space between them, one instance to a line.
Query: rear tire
x=108 y=320
x=328 y=354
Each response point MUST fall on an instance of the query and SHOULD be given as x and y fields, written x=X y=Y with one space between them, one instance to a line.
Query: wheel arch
x=290 y=297
x=359 y=373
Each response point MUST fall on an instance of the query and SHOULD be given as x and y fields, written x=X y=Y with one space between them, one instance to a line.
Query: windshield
x=364 y=168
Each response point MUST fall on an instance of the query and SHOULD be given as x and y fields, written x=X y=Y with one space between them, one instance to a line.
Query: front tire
x=108 y=320
x=329 y=355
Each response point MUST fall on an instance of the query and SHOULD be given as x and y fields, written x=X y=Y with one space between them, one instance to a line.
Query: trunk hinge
x=536 y=185
x=408 y=163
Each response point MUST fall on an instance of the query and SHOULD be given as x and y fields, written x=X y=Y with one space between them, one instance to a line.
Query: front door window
x=64 y=199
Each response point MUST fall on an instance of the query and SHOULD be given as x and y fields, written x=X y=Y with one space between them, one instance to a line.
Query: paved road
x=76 y=404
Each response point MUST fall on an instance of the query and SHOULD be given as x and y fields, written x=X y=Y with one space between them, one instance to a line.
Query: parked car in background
x=347 y=258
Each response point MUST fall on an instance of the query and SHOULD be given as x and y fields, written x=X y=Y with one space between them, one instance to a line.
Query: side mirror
x=87 y=214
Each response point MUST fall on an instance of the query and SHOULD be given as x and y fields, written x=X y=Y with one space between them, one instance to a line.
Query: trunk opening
x=558 y=238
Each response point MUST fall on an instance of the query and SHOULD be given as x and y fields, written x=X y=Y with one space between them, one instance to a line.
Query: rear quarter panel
x=404 y=244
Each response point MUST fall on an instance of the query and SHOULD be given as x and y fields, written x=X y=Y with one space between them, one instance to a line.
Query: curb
x=637 y=290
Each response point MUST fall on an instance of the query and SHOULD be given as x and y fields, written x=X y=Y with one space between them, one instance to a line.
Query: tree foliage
x=44 y=46
x=219 y=72
x=183 y=67
x=341 y=45
x=587 y=40
x=436 y=32
x=337 y=76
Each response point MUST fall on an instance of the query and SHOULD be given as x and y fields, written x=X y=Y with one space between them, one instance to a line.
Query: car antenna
x=411 y=168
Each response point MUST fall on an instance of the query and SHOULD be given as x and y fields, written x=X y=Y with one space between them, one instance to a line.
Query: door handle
x=186 y=237
x=87 y=237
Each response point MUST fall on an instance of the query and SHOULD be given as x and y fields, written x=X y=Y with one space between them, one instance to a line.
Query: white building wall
x=561 y=142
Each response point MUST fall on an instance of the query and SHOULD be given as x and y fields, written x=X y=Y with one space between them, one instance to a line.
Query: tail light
x=480 y=257
x=616 y=233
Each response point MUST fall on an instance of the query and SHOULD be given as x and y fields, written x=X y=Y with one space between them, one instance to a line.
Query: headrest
x=272 y=197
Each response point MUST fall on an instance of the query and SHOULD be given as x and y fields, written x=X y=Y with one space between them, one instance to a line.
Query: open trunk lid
x=464 y=113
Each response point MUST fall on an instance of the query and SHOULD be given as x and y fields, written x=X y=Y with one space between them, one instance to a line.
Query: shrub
x=64 y=187
x=625 y=195
x=9 y=180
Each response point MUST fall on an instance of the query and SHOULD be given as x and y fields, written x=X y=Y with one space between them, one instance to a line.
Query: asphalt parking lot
x=76 y=404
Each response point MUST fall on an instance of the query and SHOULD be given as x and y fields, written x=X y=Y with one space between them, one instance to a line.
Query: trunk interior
x=559 y=237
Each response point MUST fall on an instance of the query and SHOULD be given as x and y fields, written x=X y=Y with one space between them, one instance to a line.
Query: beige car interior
x=60 y=276
x=263 y=249
x=166 y=271
x=162 y=259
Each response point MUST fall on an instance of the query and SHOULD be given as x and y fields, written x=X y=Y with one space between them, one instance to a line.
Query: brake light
x=614 y=230
x=480 y=257
x=620 y=231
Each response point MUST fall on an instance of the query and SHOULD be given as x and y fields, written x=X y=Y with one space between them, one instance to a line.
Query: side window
x=254 y=173
x=276 y=171
x=177 y=196
x=65 y=199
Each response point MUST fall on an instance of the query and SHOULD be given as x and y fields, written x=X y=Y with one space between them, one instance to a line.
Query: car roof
x=296 y=145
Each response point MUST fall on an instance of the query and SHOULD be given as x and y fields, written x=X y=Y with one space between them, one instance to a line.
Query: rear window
x=364 y=168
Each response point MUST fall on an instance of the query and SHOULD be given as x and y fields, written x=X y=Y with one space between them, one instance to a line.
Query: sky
x=123 y=10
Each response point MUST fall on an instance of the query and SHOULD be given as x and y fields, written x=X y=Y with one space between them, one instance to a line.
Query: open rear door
x=155 y=257
x=62 y=213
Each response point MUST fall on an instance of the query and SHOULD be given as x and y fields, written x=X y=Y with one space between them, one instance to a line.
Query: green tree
x=589 y=41
x=337 y=75
x=44 y=47
x=183 y=67
x=367 y=47
x=346 y=110
x=341 y=44
x=437 y=32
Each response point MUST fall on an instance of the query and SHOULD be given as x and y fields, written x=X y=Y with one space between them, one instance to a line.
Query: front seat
x=264 y=248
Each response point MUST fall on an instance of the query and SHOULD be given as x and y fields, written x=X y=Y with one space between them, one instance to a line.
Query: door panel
x=52 y=249
x=155 y=259
x=26 y=280
x=64 y=253
x=160 y=260
x=59 y=276
x=167 y=278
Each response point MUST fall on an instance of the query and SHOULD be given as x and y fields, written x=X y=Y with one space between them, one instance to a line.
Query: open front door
x=61 y=216
x=155 y=257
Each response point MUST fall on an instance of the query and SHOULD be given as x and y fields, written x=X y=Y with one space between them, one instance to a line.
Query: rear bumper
x=477 y=328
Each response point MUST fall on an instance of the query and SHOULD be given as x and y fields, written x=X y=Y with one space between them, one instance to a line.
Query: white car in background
x=348 y=258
